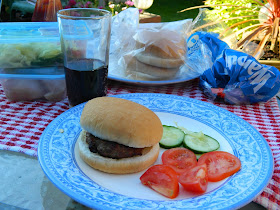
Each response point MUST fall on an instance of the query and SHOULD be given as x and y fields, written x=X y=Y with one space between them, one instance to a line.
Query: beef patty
x=111 y=149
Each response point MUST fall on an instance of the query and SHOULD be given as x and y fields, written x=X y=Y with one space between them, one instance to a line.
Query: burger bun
x=158 y=61
x=141 y=71
x=124 y=122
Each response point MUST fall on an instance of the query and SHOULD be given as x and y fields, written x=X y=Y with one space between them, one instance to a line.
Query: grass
x=168 y=9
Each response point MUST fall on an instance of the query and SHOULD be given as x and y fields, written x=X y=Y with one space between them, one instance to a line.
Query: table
x=147 y=17
x=22 y=123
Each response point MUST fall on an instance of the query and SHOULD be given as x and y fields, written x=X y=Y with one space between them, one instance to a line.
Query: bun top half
x=163 y=43
x=121 y=121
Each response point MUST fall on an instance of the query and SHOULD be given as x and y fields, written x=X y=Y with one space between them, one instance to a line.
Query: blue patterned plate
x=60 y=161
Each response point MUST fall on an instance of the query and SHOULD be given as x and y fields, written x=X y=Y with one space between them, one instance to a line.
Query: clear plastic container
x=31 y=62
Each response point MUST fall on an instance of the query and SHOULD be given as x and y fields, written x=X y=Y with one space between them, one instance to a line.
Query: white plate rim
x=265 y=175
x=150 y=83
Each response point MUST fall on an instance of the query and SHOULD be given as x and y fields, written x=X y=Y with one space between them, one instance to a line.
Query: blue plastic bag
x=202 y=50
x=210 y=42
x=236 y=77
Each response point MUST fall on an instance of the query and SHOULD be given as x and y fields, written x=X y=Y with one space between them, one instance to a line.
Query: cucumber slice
x=200 y=144
x=172 y=137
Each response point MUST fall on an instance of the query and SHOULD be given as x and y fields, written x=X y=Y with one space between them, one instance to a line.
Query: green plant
x=115 y=8
x=168 y=9
x=256 y=22
x=232 y=12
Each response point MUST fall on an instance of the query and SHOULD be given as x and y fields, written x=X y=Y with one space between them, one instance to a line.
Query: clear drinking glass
x=85 y=42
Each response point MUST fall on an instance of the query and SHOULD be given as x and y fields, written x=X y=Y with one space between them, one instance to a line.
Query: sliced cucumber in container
x=200 y=143
x=172 y=137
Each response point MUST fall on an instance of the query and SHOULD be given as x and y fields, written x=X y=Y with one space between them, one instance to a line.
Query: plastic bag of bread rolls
x=153 y=51
x=158 y=55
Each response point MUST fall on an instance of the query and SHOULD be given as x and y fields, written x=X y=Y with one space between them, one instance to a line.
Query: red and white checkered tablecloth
x=22 y=123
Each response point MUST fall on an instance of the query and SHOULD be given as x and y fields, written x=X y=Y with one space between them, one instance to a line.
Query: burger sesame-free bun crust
x=122 y=121
x=116 y=166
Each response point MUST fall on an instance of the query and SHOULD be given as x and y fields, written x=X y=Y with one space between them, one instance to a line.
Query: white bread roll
x=159 y=55
x=161 y=43
x=121 y=121
x=159 y=62
x=141 y=71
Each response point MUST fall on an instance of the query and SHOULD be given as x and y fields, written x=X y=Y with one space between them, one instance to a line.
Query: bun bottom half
x=159 y=62
x=116 y=166
x=142 y=71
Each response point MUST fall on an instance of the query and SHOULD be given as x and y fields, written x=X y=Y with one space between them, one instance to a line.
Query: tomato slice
x=162 y=179
x=180 y=159
x=220 y=165
x=195 y=179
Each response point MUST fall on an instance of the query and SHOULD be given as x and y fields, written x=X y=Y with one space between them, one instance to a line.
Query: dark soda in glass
x=85 y=79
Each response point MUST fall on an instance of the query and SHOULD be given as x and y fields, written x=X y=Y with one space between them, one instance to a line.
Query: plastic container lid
x=15 y=32
x=45 y=73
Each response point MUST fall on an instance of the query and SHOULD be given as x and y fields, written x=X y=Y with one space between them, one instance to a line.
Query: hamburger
x=159 y=54
x=119 y=136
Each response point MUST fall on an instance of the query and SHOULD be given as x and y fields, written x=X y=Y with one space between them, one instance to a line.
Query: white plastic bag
x=148 y=51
